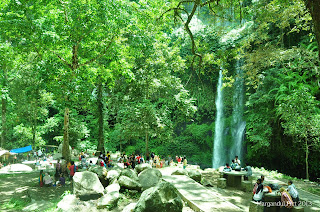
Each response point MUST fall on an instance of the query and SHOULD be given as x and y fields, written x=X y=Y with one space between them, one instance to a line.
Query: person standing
x=185 y=163
x=249 y=172
x=58 y=169
x=41 y=178
x=72 y=169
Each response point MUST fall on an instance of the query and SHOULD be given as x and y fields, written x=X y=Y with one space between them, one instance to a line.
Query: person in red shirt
x=72 y=169
x=179 y=160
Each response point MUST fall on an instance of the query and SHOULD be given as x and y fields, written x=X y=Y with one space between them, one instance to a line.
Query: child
x=62 y=180
x=41 y=178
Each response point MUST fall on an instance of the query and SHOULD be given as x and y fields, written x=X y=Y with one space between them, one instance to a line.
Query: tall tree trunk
x=4 y=110
x=34 y=125
x=307 y=164
x=65 y=146
x=4 y=120
x=314 y=9
x=100 y=147
x=147 y=142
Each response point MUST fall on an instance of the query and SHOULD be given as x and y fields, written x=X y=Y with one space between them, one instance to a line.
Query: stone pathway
x=197 y=196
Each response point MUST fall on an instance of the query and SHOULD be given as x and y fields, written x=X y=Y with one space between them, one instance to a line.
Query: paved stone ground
x=216 y=199
x=198 y=197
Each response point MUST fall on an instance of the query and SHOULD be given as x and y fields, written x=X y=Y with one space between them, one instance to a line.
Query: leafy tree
x=76 y=32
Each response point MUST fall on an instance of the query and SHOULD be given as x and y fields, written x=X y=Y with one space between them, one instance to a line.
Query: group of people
x=104 y=159
x=235 y=165
x=47 y=181
x=131 y=161
x=63 y=170
x=289 y=196
x=154 y=160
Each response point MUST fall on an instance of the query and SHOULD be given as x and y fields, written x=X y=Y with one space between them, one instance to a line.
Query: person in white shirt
x=39 y=153
x=237 y=161
x=293 y=192
x=47 y=180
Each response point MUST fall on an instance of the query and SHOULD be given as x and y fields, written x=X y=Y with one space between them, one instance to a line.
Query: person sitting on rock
x=233 y=165
x=227 y=168
x=237 y=161
x=286 y=199
x=258 y=192
x=47 y=180
x=293 y=192
x=62 y=180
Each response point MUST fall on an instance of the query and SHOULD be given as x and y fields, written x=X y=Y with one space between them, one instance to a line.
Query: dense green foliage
x=127 y=72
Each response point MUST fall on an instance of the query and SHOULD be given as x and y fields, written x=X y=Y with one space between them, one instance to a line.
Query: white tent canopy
x=6 y=152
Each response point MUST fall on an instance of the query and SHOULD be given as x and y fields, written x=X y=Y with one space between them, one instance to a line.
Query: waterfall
x=238 y=122
x=218 y=147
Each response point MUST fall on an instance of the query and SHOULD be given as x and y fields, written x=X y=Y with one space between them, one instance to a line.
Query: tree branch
x=186 y=25
x=65 y=11
x=62 y=59
x=100 y=55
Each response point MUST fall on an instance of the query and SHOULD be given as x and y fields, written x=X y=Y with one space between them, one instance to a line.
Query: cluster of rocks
x=210 y=177
x=195 y=174
x=99 y=188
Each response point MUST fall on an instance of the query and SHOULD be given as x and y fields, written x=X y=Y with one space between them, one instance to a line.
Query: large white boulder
x=130 y=173
x=68 y=203
x=108 y=200
x=180 y=172
x=112 y=187
x=102 y=173
x=194 y=174
x=130 y=207
x=149 y=178
x=126 y=182
x=163 y=197
x=87 y=185
x=16 y=168
x=139 y=168
x=113 y=175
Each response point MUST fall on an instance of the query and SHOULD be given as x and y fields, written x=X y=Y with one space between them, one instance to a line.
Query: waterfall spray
x=238 y=122
x=218 y=147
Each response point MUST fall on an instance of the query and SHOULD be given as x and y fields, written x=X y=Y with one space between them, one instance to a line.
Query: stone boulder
x=180 y=172
x=139 y=168
x=163 y=197
x=149 y=178
x=113 y=175
x=108 y=200
x=86 y=185
x=130 y=207
x=195 y=174
x=126 y=182
x=17 y=168
x=68 y=203
x=102 y=174
x=112 y=187
x=130 y=173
